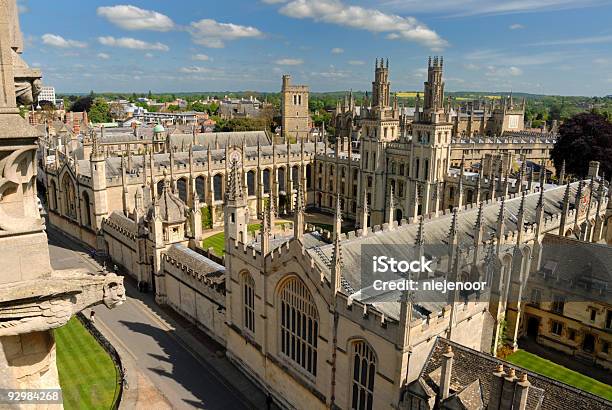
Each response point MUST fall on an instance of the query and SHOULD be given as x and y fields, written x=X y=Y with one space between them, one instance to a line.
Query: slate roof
x=470 y=365
x=199 y=263
x=582 y=269
x=200 y=157
x=400 y=241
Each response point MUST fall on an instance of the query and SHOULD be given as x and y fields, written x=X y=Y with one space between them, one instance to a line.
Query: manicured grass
x=217 y=241
x=547 y=368
x=88 y=376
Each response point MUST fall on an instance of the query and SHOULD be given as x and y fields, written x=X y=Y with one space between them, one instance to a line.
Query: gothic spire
x=298 y=223
x=337 y=252
x=420 y=239
x=391 y=209
x=234 y=185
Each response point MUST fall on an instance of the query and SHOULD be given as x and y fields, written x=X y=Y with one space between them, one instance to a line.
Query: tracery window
x=248 y=302
x=299 y=325
x=69 y=197
x=364 y=371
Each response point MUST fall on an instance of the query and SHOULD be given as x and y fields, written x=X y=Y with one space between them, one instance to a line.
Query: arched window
x=299 y=325
x=281 y=179
x=364 y=370
x=200 y=186
x=69 y=197
x=218 y=187
x=248 y=302
x=266 y=181
x=295 y=175
x=181 y=186
x=251 y=183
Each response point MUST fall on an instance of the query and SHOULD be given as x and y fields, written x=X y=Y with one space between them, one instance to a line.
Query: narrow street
x=156 y=347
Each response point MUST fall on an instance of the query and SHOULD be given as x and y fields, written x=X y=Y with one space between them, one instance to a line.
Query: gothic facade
x=292 y=310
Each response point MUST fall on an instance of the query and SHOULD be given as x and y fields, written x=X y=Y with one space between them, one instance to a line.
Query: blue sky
x=539 y=46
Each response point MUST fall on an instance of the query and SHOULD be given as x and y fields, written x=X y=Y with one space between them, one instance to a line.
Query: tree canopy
x=99 y=111
x=582 y=138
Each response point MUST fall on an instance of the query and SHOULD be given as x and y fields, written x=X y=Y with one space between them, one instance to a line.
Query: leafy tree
x=198 y=106
x=173 y=108
x=82 y=104
x=206 y=217
x=99 y=111
x=240 y=124
x=584 y=137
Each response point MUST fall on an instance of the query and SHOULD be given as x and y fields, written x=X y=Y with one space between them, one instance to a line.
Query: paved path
x=163 y=357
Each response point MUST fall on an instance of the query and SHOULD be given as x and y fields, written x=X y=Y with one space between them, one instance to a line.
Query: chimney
x=497 y=384
x=521 y=392
x=445 y=376
x=507 y=394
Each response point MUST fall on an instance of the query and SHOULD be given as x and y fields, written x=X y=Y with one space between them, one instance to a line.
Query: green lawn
x=88 y=376
x=547 y=368
x=217 y=241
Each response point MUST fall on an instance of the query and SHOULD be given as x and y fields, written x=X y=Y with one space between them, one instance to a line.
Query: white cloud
x=373 y=20
x=493 y=71
x=194 y=69
x=130 y=17
x=103 y=56
x=213 y=34
x=200 y=57
x=488 y=7
x=149 y=55
x=356 y=62
x=132 y=43
x=575 y=41
x=58 y=41
x=337 y=50
x=470 y=66
x=516 y=26
x=289 y=61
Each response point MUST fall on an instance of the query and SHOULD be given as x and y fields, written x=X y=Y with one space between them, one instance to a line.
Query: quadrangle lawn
x=549 y=369
x=88 y=376
x=217 y=241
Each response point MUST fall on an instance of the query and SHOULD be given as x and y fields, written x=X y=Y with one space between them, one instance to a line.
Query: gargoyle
x=48 y=303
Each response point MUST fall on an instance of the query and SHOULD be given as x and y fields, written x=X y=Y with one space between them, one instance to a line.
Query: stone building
x=425 y=165
x=293 y=311
x=456 y=377
x=295 y=113
x=570 y=301
x=34 y=298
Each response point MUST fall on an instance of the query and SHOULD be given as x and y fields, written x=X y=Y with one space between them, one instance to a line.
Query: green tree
x=584 y=137
x=198 y=106
x=206 y=217
x=99 y=111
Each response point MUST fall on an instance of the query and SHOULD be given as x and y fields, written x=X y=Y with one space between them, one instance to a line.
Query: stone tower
x=381 y=85
x=97 y=163
x=380 y=125
x=431 y=138
x=295 y=120
x=34 y=298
